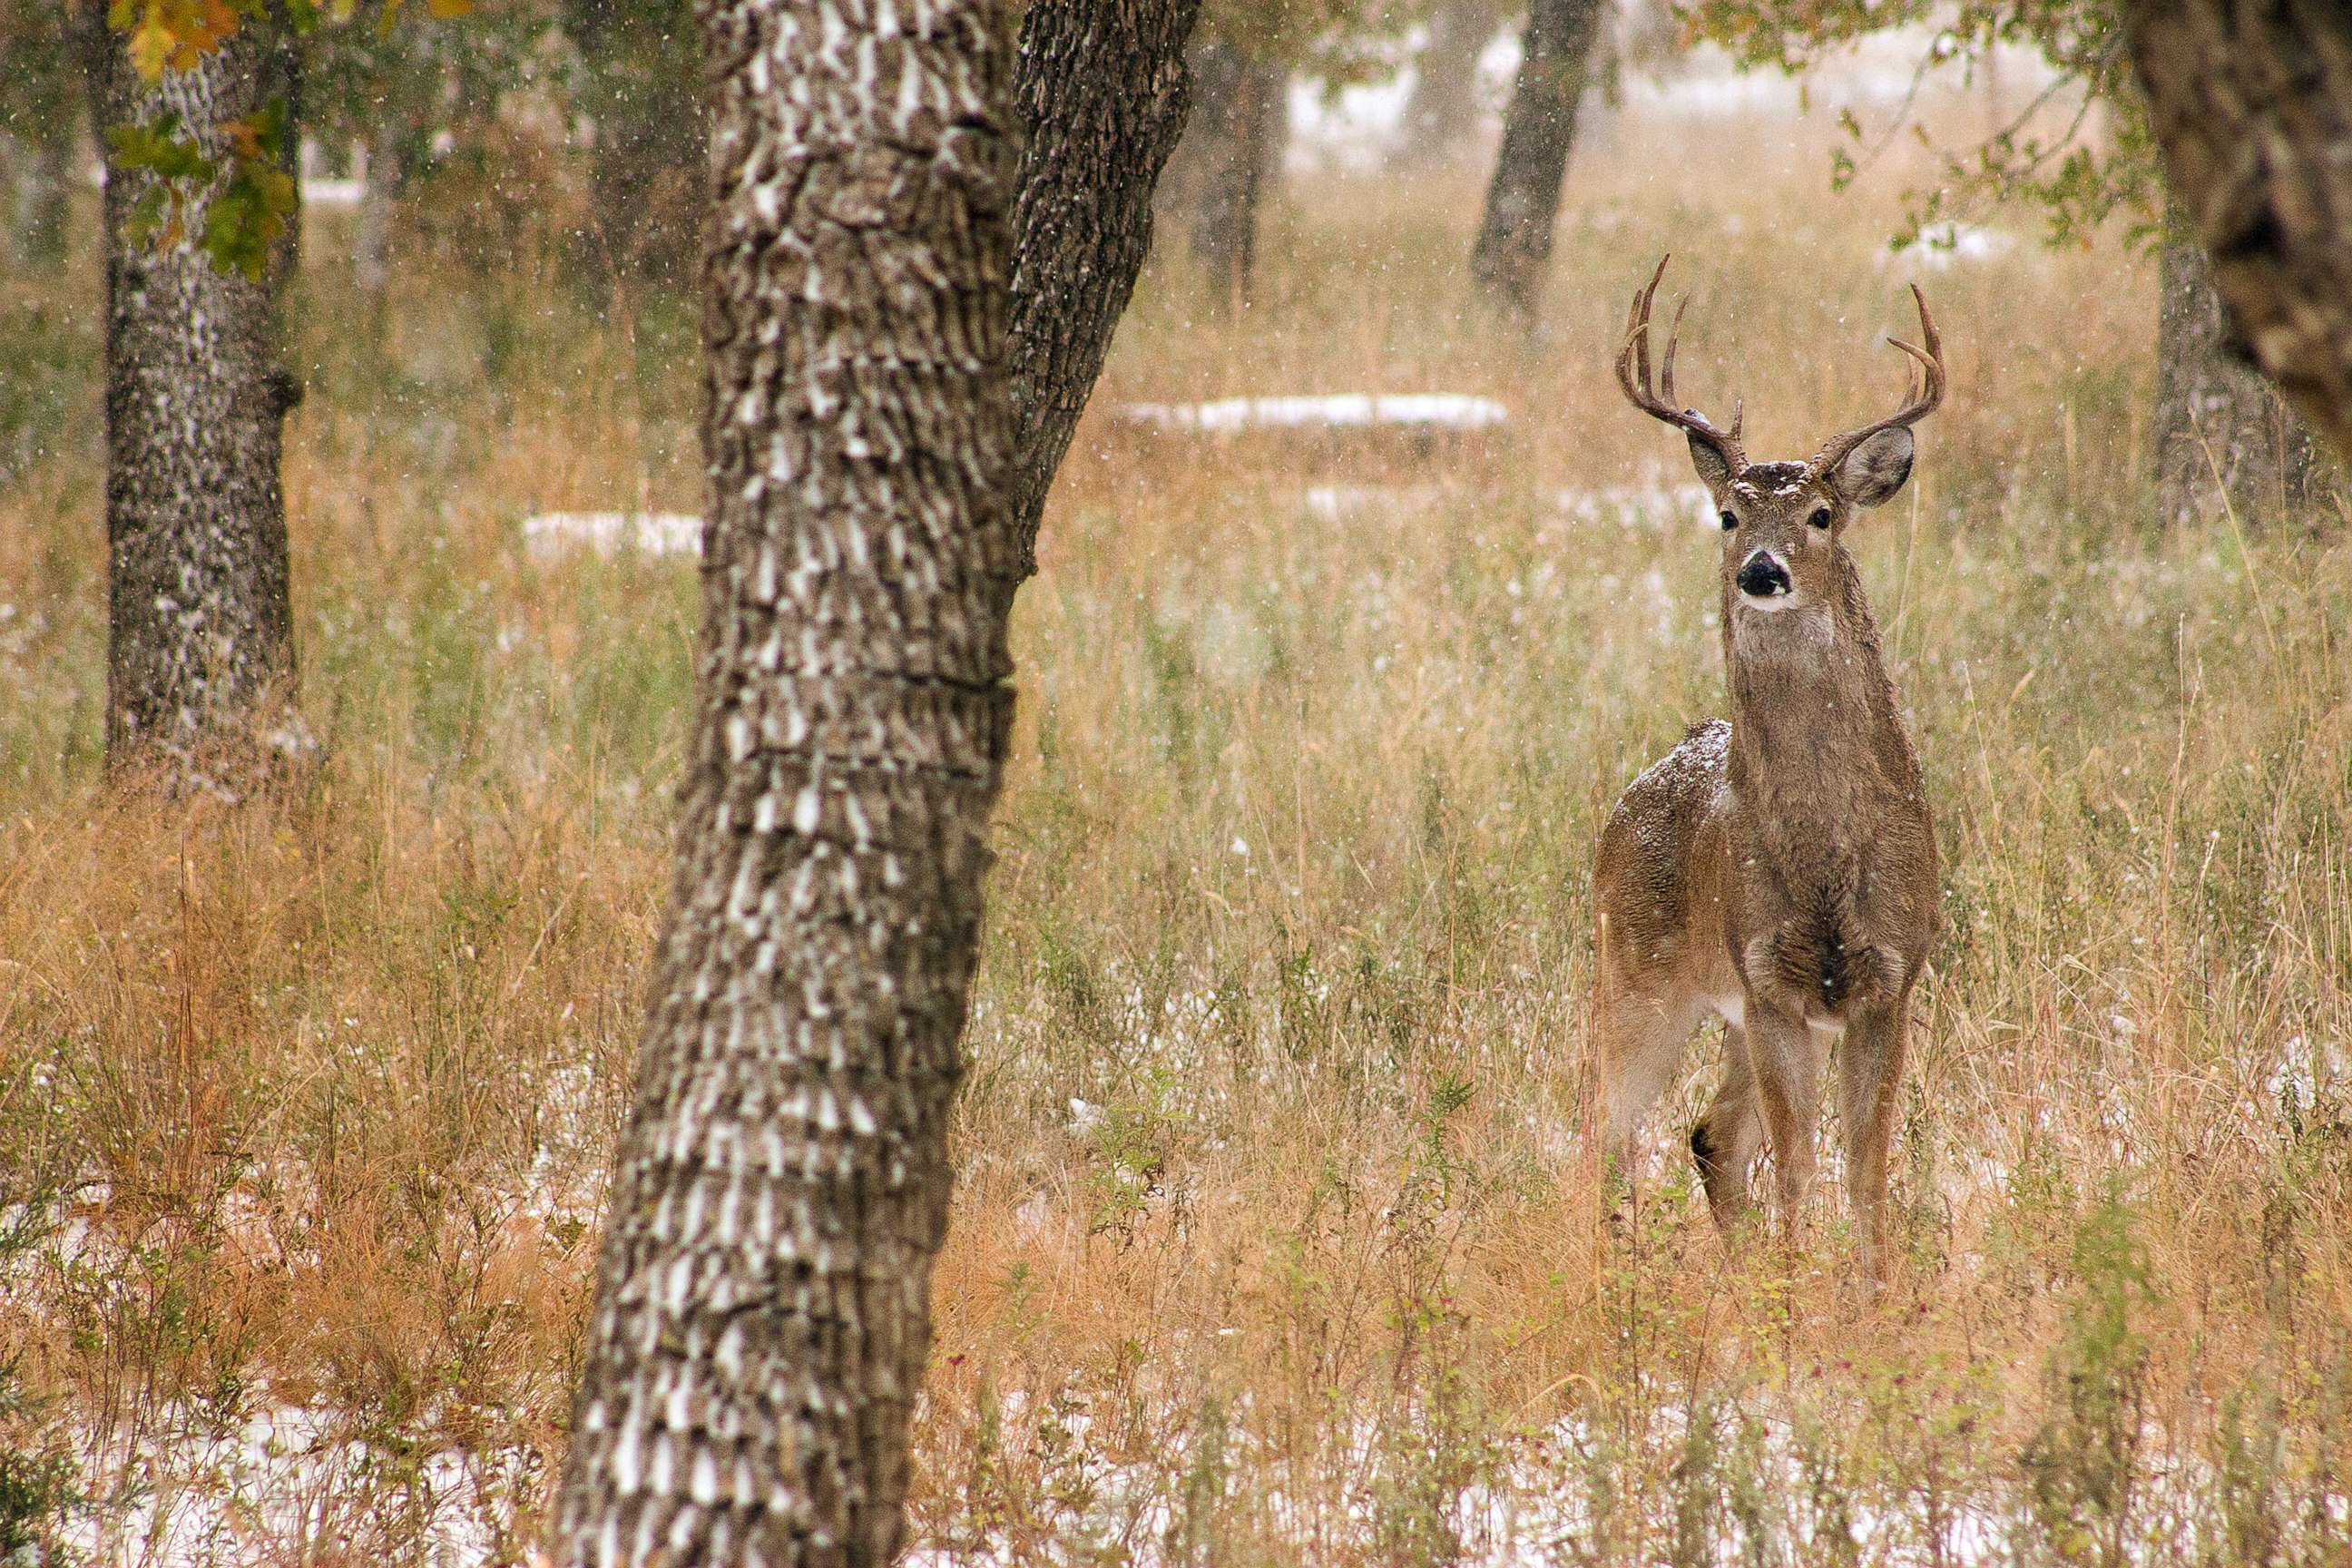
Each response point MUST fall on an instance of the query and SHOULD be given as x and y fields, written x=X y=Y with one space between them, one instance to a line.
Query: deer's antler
x=1633 y=376
x=1920 y=397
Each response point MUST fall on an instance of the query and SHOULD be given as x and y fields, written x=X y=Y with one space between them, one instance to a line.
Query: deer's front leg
x=1870 y=1082
x=1786 y=1060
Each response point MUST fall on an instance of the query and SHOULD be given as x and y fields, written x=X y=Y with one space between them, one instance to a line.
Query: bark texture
x=1538 y=131
x=2214 y=415
x=200 y=669
x=761 y=1317
x=1233 y=141
x=1102 y=89
x=646 y=181
x=2250 y=101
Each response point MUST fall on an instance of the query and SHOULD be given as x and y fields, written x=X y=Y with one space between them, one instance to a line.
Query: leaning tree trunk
x=1102 y=91
x=1236 y=132
x=2250 y=101
x=1538 y=129
x=761 y=1316
x=645 y=183
x=200 y=674
x=2221 y=432
x=1441 y=115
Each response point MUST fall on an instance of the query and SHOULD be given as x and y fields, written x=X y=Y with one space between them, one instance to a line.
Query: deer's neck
x=1817 y=749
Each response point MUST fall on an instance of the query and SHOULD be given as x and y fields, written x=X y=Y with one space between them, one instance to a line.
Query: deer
x=1777 y=871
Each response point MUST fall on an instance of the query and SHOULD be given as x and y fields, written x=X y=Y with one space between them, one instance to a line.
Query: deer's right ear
x=1713 y=471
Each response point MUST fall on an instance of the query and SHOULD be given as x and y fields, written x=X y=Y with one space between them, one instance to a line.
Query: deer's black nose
x=1762 y=575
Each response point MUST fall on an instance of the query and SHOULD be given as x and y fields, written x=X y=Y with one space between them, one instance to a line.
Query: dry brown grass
x=1276 y=1238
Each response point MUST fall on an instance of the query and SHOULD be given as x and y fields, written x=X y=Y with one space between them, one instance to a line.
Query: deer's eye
x=1821 y=517
x=1728 y=522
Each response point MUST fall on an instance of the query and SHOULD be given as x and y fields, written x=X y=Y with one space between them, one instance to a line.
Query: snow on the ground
x=551 y=535
x=1345 y=410
x=1941 y=246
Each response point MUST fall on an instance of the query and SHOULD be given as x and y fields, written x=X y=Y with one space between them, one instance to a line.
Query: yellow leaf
x=445 y=9
x=151 y=44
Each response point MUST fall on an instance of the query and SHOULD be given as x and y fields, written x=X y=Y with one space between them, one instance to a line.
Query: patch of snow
x=1330 y=411
x=551 y=535
x=1941 y=247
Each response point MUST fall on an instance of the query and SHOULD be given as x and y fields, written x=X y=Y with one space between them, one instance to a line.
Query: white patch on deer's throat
x=1734 y=1009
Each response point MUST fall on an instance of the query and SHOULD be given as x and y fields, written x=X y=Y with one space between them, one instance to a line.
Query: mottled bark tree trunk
x=2220 y=429
x=1538 y=130
x=646 y=181
x=1103 y=93
x=761 y=1317
x=1234 y=142
x=2250 y=101
x=200 y=674
x=1441 y=115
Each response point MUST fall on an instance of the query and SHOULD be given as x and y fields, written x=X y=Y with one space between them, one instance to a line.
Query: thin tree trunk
x=2214 y=413
x=200 y=673
x=42 y=196
x=646 y=181
x=1103 y=93
x=761 y=1316
x=2251 y=106
x=1538 y=130
x=380 y=190
x=1441 y=115
x=1238 y=124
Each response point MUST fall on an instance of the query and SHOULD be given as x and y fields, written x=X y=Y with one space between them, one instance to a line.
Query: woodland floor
x=1275 y=1237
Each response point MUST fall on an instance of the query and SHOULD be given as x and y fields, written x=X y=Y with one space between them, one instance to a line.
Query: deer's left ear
x=1873 y=471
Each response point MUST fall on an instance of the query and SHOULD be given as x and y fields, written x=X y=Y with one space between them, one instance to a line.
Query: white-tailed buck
x=1779 y=870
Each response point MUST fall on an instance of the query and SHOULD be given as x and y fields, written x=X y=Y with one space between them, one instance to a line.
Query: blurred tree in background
x=2081 y=153
x=40 y=130
x=638 y=87
x=1515 y=231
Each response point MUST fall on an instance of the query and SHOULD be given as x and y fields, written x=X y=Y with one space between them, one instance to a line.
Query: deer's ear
x=1713 y=471
x=1875 y=470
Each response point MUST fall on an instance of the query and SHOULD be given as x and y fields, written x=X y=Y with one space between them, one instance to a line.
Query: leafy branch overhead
x=2040 y=155
x=230 y=188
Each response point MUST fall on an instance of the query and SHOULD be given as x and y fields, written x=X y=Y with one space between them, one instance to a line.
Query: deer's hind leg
x=1727 y=1138
x=1638 y=1035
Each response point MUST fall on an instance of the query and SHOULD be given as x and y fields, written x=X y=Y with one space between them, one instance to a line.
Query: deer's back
x=1659 y=879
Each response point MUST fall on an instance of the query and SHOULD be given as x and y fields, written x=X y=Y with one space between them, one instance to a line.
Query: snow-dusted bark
x=761 y=1316
x=1538 y=129
x=1103 y=93
x=200 y=670
x=2250 y=101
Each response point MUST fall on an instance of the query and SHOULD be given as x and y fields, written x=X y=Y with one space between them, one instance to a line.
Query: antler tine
x=1667 y=365
x=1633 y=376
x=1920 y=396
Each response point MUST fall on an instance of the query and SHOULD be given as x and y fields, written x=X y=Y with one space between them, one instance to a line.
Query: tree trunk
x=2251 y=106
x=1538 y=129
x=200 y=678
x=42 y=194
x=646 y=181
x=1442 y=116
x=761 y=1316
x=1238 y=128
x=380 y=188
x=2214 y=413
x=1102 y=91
x=762 y=1312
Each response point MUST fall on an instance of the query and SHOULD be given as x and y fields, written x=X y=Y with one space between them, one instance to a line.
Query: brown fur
x=1780 y=871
